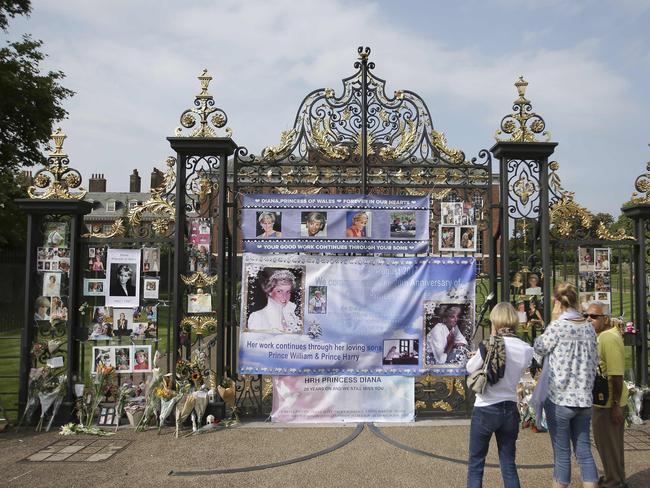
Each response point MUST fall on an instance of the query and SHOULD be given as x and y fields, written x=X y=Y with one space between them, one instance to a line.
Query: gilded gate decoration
x=357 y=140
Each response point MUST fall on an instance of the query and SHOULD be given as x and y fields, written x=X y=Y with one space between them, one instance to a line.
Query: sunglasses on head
x=593 y=315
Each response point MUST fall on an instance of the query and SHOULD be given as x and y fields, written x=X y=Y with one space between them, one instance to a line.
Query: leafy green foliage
x=31 y=103
x=13 y=226
x=11 y=8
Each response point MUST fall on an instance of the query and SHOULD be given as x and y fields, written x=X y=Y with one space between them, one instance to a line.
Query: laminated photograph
x=447 y=238
x=97 y=259
x=94 y=287
x=122 y=359
x=151 y=260
x=602 y=259
x=103 y=356
x=51 y=284
x=141 y=360
x=199 y=303
x=101 y=324
x=56 y=234
x=123 y=267
x=150 y=288
x=122 y=321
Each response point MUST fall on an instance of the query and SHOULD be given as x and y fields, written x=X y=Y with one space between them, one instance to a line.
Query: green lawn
x=9 y=371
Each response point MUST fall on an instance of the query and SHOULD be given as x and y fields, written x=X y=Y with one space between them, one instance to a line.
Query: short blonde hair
x=503 y=315
x=566 y=294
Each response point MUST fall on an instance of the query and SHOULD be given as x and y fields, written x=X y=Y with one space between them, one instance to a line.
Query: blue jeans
x=570 y=425
x=501 y=419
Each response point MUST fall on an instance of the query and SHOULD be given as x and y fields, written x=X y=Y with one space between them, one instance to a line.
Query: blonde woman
x=569 y=345
x=267 y=223
x=358 y=227
x=495 y=410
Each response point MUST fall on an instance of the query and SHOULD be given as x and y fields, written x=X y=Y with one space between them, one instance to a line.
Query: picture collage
x=594 y=275
x=53 y=265
x=125 y=359
x=457 y=229
x=122 y=289
x=198 y=245
x=526 y=296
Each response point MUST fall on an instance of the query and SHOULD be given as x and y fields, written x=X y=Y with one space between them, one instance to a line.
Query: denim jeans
x=570 y=425
x=501 y=419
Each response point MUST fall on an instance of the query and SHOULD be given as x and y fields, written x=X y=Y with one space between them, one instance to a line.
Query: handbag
x=600 y=392
x=540 y=393
x=477 y=381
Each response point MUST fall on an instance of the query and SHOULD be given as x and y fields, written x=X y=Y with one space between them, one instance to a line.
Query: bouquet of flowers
x=125 y=393
x=152 y=400
x=100 y=387
x=47 y=389
x=168 y=398
x=194 y=371
x=51 y=390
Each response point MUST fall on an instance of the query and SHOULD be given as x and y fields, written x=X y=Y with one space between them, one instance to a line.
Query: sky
x=133 y=66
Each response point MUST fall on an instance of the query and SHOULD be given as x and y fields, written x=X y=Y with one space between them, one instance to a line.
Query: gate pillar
x=202 y=191
x=524 y=192
x=638 y=209
x=52 y=202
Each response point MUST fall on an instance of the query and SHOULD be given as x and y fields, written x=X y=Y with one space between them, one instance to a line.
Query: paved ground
x=427 y=453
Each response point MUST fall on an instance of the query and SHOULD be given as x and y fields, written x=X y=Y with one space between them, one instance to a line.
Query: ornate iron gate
x=364 y=141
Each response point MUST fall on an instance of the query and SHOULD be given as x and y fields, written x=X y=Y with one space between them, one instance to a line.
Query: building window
x=133 y=204
x=110 y=206
x=106 y=228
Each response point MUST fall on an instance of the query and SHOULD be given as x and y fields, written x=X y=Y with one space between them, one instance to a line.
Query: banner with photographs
x=138 y=323
x=594 y=278
x=125 y=359
x=336 y=223
x=308 y=399
x=355 y=315
x=123 y=277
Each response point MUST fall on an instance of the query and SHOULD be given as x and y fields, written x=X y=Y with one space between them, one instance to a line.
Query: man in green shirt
x=608 y=421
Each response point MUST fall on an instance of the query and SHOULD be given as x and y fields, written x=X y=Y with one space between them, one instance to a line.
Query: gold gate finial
x=208 y=116
x=522 y=124
x=57 y=178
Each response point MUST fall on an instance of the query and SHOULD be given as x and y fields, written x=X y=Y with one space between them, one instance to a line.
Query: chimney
x=134 y=182
x=97 y=183
x=157 y=178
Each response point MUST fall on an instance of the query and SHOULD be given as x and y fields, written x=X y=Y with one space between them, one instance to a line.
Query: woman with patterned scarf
x=569 y=345
x=495 y=411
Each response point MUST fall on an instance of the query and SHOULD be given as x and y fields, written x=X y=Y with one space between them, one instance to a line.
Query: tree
x=30 y=105
x=11 y=8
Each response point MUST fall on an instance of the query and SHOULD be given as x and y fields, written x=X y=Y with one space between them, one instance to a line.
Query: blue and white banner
x=323 y=315
x=330 y=224
x=305 y=399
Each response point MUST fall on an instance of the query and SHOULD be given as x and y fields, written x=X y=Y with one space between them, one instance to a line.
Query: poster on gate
x=328 y=224
x=310 y=399
x=324 y=315
x=123 y=277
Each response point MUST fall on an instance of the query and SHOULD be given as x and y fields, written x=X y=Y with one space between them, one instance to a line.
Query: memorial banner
x=305 y=399
x=336 y=223
x=318 y=315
